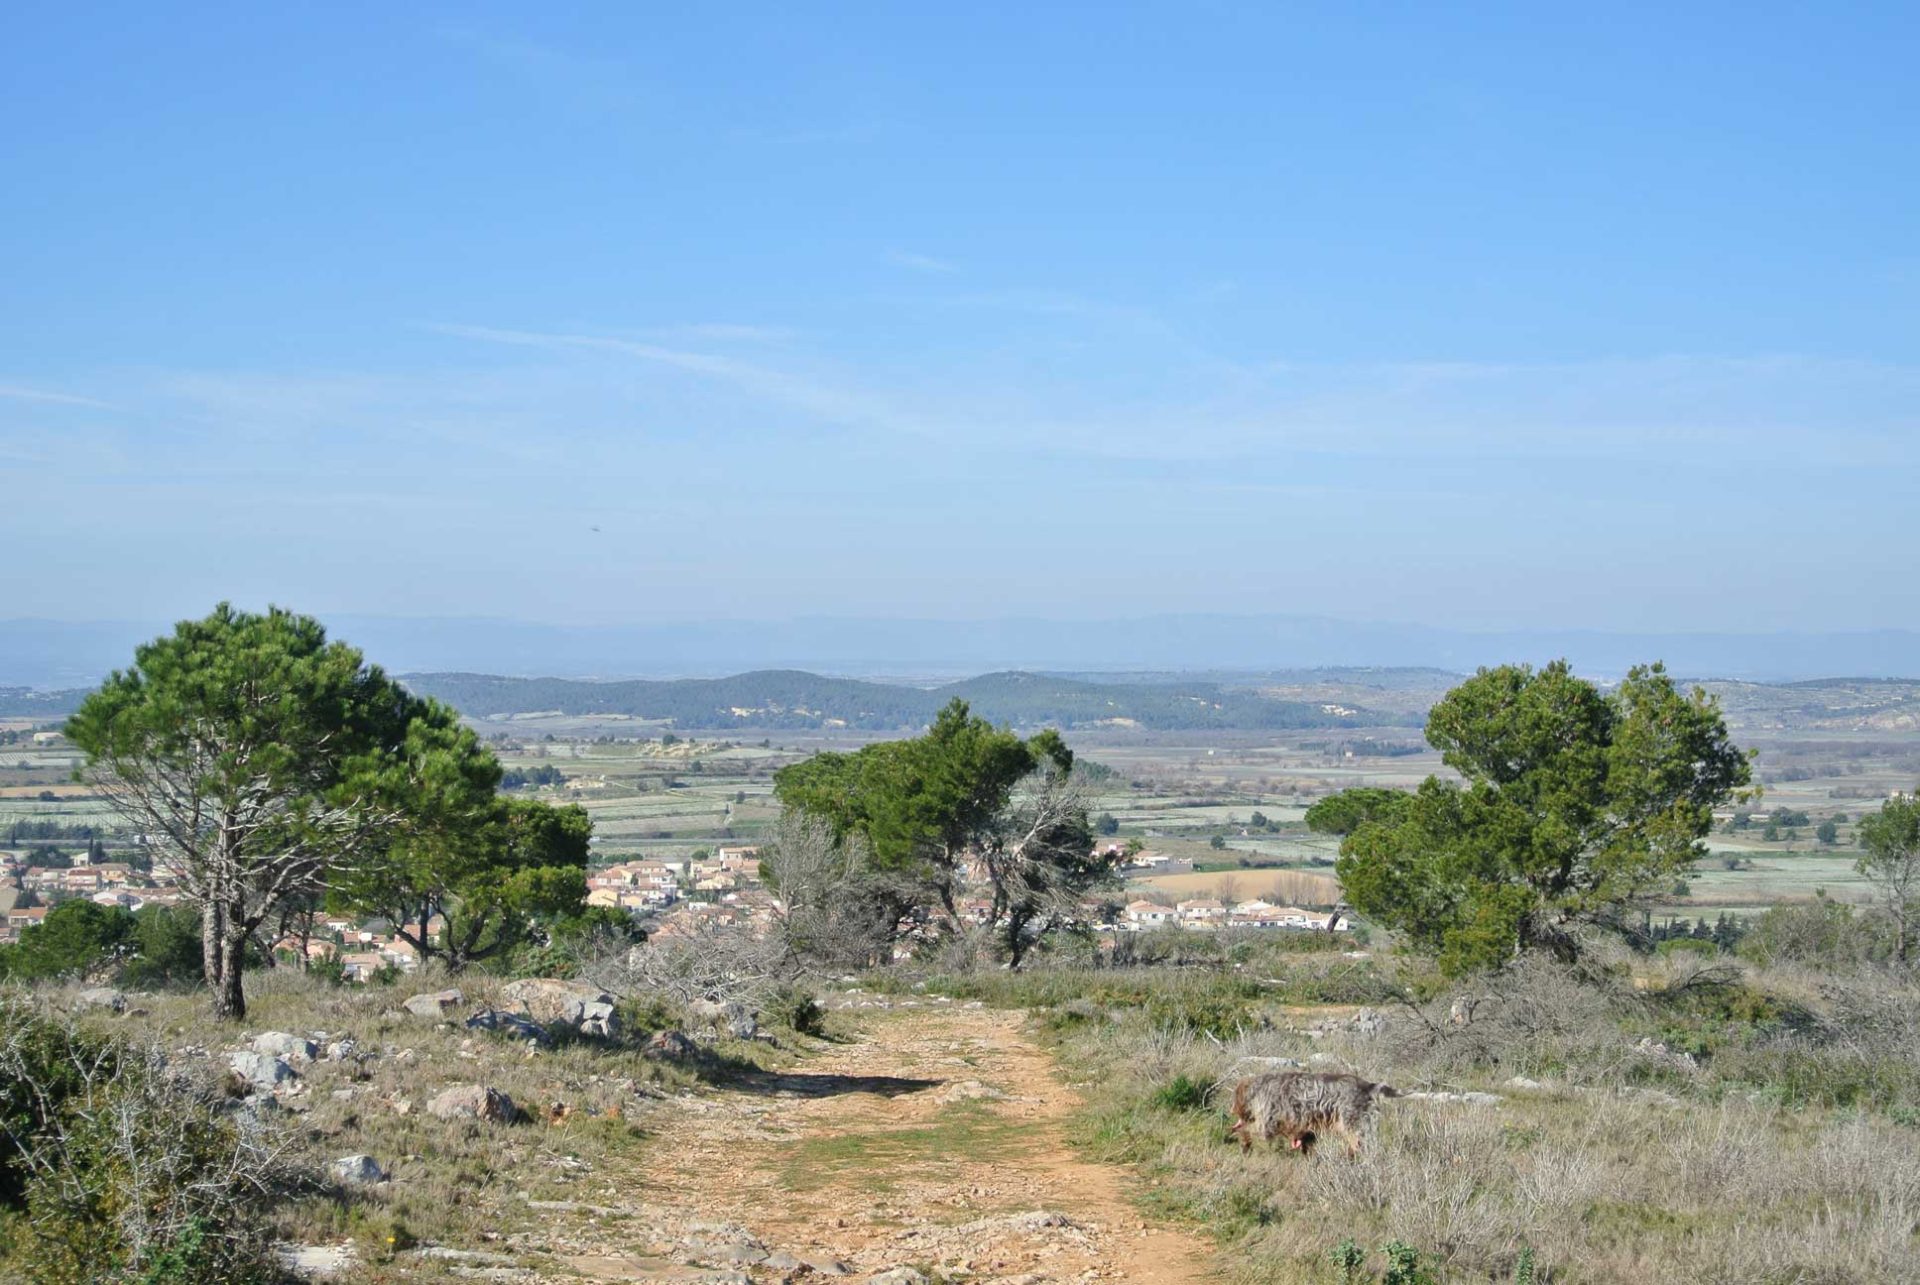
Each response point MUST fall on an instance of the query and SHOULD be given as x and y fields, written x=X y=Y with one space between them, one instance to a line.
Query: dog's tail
x=1386 y=1091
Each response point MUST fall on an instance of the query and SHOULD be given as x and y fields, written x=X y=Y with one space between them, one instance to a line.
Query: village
x=666 y=895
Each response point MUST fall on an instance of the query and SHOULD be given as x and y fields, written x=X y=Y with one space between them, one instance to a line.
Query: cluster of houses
x=1207 y=915
x=682 y=894
x=688 y=894
x=361 y=950
x=677 y=894
x=750 y=908
x=27 y=891
x=655 y=883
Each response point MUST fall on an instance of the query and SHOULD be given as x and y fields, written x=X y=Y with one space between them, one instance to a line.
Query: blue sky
x=1493 y=318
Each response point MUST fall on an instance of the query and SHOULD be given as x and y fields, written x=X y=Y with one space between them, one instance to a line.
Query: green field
x=1175 y=792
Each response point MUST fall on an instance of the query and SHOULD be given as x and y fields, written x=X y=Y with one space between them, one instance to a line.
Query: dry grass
x=1707 y=1178
x=458 y=1183
x=1282 y=887
x=1781 y=1148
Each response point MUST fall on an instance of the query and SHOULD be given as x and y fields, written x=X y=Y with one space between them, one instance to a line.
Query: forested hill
x=786 y=698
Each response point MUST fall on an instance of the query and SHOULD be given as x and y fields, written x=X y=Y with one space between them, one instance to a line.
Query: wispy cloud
x=21 y=393
x=1059 y=408
x=1129 y=387
x=844 y=403
x=921 y=262
x=1119 y=391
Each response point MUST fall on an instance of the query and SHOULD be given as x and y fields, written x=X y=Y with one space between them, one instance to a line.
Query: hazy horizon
x=52 y=654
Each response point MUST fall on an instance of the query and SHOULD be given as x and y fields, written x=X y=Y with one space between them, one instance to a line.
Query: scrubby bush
x=642 y=1015
x=1216 y=1011
x=795 y=1008
x=114 y=1169
x=1818 y=932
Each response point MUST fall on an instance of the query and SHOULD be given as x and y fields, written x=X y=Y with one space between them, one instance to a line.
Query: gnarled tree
x=832 y=908
x=966 y=800
x=255 y=757
x=1039 y=853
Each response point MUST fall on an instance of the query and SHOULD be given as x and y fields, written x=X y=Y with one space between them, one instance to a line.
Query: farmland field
x=1231 y=803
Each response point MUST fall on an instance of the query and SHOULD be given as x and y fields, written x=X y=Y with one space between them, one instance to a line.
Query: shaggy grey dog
x=1300 y=1105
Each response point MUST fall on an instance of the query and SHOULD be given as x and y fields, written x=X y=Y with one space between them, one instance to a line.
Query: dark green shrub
x=796 y=1009
x=1404 y=1266
x=642 y=1015
x=169 y=947
x=1181 y=1093
x=329 y=969
x=1350 y=1259
x=78 y=939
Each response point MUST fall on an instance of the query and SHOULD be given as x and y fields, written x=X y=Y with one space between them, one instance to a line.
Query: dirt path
x=934 y=1142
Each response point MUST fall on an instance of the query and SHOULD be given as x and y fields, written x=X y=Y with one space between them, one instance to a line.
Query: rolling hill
x=786 y=698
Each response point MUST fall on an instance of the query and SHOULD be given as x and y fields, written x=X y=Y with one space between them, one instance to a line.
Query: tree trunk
x=1018 y=943
x=213 y=944
x=223 y=943
x=229 y=1000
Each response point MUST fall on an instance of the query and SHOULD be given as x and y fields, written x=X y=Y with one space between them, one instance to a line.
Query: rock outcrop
x=473 y=1102
x=669 y=1046
x=262 y=1071
x=359 y=1171
x=553 y=1001
x=291 y=1048
x=434 y=1003
x=512 y=1025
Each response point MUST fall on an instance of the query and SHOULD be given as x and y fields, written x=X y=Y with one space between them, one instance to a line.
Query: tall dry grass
x=1782 y=1148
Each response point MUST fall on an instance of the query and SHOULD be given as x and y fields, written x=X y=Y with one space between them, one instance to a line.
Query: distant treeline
x=793 y=699
x=32 y=831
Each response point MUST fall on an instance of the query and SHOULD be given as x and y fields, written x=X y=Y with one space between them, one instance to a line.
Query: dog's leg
x=1347 y=1136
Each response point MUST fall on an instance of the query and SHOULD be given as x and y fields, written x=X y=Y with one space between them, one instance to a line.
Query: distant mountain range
x=1293 y=699
x=785 y=698
x=52 y=654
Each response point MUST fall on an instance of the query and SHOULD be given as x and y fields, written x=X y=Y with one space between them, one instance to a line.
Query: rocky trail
x=931 y=1145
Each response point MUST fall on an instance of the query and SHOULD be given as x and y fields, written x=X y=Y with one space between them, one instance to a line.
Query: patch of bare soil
x=931 y=1146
